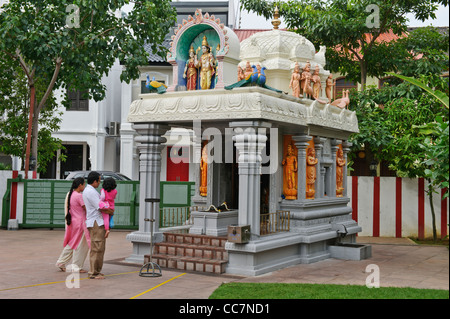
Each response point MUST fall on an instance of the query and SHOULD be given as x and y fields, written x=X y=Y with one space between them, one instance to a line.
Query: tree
x=75 y=43
x=351 y=30
x=14 y=107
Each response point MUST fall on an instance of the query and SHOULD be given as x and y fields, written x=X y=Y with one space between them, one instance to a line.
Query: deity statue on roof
x=295 y=81
x=329 y=87
x=317 y=86
x=305 y=80
x=190 y=71
x=206 y=64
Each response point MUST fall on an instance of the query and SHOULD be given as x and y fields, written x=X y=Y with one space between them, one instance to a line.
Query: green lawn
x=317 y=291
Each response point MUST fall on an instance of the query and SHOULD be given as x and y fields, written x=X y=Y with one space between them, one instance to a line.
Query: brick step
x=191 y=250
x=181 y=238
x=188 y=263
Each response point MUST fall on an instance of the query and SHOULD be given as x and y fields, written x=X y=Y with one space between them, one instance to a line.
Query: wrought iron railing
x=272 y=223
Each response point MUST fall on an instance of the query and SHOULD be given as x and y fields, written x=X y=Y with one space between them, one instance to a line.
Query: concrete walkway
x=27 y=270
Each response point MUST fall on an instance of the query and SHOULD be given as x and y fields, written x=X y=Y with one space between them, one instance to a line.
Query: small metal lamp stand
x=151 y=269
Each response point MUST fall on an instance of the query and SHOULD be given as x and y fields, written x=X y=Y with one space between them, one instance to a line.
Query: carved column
x=318 y=145
x=301 y=142
x=334 y=147
x=149 y=143
x=250 y=139
x=345 y=148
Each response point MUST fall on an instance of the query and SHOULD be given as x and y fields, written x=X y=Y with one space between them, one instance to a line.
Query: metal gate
x=43 y=203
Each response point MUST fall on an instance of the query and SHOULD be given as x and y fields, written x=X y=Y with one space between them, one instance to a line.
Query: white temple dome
x=278 y=49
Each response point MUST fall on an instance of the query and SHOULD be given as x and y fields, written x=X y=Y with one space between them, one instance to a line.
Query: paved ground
x=27 y=270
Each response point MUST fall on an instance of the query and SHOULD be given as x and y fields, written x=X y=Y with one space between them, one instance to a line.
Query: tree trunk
x=363 y=65
x=34 y=137
x=433 y=215
x=30 y=125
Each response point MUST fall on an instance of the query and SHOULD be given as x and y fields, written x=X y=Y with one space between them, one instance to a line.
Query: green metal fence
x=43 y=203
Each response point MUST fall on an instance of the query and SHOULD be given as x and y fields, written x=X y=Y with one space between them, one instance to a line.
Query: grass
x=319 y=291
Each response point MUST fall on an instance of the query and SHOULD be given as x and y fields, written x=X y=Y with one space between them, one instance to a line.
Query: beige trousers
x=98 y=244
x=79 y=255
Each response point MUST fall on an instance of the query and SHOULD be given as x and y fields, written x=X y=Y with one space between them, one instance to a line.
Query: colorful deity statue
x=241 y=75
x=340 y=163
x=204 y=172
x=190 y=71
x=311 y=175
x=290 y=174
x=206 y=64
x=295 y=81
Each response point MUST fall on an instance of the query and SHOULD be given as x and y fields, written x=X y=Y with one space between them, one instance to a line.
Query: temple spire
x=276 y=21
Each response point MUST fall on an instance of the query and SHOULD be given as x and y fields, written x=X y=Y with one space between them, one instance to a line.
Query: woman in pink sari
x=76 y=239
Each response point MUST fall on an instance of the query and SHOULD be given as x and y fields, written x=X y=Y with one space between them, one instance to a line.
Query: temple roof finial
x=276 y=21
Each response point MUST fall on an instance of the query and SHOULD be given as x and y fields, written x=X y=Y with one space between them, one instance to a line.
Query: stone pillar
x=334 y=147
x=149 y=143
x=318 y=145
x=250 y=139
x=301 y=142
x=345 y=148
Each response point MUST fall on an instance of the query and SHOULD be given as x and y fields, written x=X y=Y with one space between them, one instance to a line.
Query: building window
x=342 y=84
x=78 y=100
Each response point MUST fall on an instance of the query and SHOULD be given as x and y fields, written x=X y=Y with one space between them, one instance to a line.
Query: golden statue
x=206 y=65
x=340 y=162
x=311 y=175
x=295 y=81
x=190 y=71
x=204 y=172
x=290 y=174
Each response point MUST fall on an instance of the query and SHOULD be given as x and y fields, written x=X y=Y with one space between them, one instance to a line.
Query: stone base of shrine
x=141 y=245
x=316 y=227
x=282 y=250
x=213 y=223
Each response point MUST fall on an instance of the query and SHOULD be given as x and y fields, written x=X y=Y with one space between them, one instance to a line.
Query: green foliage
x=353 y=45
x=58 y=47
x=388 y=118
x=441 y=96
x=435 y=146
x=14 y=106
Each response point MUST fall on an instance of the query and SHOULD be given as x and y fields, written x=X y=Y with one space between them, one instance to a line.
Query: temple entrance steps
x=192 y=252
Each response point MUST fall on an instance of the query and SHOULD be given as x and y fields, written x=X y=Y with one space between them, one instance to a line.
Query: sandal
x=99 y=276
x=62 y=267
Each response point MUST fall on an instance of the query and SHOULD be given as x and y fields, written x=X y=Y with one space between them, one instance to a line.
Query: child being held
x=107 y=196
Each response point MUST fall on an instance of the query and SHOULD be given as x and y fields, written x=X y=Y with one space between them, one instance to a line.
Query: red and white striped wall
x=396 y=207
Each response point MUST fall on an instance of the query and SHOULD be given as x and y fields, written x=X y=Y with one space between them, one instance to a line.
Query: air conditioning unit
x=114 y=128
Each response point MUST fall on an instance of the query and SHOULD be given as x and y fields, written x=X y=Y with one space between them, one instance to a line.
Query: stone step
x=191 y=250
x=188 y=263
x=181 y=238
